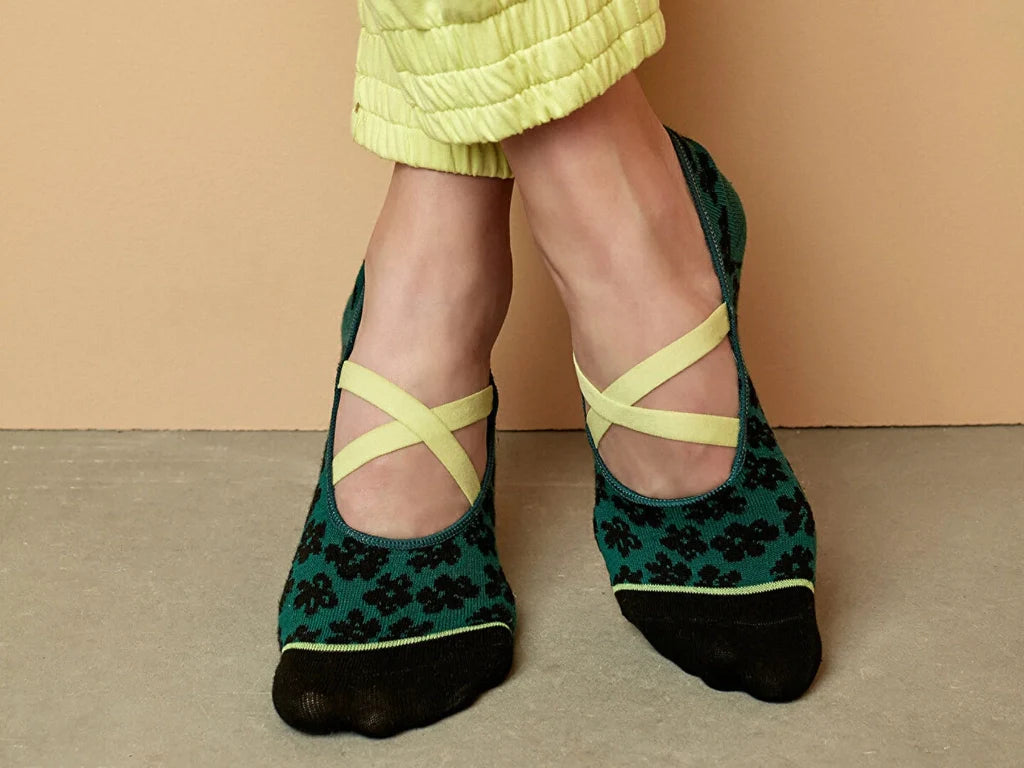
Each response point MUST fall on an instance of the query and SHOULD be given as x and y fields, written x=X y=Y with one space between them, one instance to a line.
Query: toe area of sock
x=382 y=692
x=766 y=644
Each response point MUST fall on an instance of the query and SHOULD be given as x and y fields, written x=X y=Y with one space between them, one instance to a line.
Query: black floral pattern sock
x=381 y=635
x=722 y=584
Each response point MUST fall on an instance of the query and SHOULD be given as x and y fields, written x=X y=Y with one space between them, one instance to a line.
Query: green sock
x=721 y=583
x=381 y=635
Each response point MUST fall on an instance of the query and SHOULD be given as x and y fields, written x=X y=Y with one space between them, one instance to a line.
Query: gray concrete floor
x=139 y=576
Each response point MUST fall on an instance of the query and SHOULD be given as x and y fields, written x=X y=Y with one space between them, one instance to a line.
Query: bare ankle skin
x=438 y=284
x=611 y=213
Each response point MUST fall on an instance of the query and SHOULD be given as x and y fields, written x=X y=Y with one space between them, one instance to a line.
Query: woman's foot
x=380 y=636
x=438 y=283
x=721 y=583
x=626 y=248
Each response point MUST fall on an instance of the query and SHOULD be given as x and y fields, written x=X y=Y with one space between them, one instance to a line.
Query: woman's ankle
x=438 y=273
x=438 y=321
x=608 y=204
x=435 y=344
x=611 y=211
x=437 y=290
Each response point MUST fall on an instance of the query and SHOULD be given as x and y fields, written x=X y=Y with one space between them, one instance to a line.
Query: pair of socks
x=381 y=635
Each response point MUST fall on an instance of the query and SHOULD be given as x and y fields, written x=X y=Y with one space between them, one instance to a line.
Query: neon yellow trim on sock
x=615 y=404
x=395 y=435
x=418 y=418
x=390 y=643
x=751 y=590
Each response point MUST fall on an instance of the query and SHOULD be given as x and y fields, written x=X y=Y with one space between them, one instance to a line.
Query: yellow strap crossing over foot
x=413 y=423
x=615 y=405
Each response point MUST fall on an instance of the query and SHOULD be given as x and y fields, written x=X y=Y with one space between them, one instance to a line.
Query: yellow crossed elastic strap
x=615 y=404
x=413 y=423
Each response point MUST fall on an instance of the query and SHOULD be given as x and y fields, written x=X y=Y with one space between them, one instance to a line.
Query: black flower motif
x=303 y=634
x=431 y=557
x=640 y=514
x=664 y=571
x=617 y=534
x=600 y=488
x=312 y=540
x=496 y=585
x=626 y=576
x=390 y=593
x=353 y=559
x=799 y=512
x=715 y=507
x=446 y=593
x=481 y=537
x=685 y=541
x=759 y=434
x=354 y=629
x=754 y=401
x=710 y=576
x=707 y=174
x=490 y=613
x=795 y=564
x=742 y=541
x=725 y=241
x=763 y=472
x=315 y=594
x=406 y=627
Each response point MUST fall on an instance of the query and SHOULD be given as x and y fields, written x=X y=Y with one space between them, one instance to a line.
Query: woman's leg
x=380 y=634
x=720 y=582
x=610 y=210
x=438 y=283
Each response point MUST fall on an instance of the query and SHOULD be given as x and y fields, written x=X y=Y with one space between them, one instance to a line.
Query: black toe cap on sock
x=383 y=692
x=766 y=644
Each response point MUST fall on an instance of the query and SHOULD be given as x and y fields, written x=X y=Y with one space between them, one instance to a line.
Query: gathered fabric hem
x=444 y=96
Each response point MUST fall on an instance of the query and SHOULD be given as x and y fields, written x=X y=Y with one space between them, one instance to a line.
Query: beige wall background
x=182 y=210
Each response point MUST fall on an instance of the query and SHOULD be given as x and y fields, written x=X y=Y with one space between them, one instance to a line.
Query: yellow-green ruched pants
x=440 y=82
